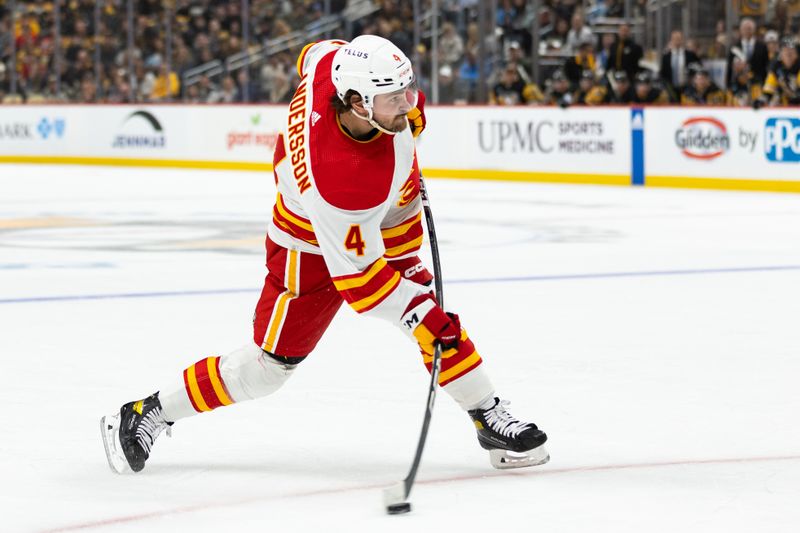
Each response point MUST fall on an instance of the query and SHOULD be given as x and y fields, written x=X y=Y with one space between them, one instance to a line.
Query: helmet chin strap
x=372 y=121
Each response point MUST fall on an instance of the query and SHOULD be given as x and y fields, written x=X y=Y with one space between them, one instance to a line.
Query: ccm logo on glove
x=435 y=326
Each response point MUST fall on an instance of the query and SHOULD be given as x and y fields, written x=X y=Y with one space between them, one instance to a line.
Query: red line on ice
x=355 y=488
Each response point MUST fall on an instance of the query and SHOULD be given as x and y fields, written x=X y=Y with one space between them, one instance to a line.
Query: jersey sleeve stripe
x=354 y=281
x=402 y=228
x=403 y=239
x=365 y=304
x=293 y=230
x=402 y=249
x=293 y=224
x=302 y=58
x=297 y=220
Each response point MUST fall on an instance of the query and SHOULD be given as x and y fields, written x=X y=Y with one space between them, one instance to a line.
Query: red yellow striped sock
x=204 y=385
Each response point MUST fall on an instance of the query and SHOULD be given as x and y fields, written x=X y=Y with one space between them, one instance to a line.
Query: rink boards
x=708 y=147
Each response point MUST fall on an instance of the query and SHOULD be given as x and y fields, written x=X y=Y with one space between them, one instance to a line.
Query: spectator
x=148 y=82
x=88 y=90
x=166 y=85
x=183 y=59
x=616 y=89
x=783 y=81
x=701 y=90
x=558 y=92
x=447 y=85
x=512 y=90
x=674 y=63
x=5 y=84
x=719 y=47
x=578 y=33
x=754 y=51
x=565 y=8
x=615 y=9
x=473 y=39
x=192 y=95
x=120 y=91
x=516 y=56
x=646 y=90
x=226 y=94
x=586 y=87
x=621 y=88
x=509 y=90
x=582 y=60
x=772 y=42
x=205 y=88
x=556 y=39
x=606 y=54
x=247 y=88
x=743 y=89
x=451 y=45
x=627 y=53
x=468 y=77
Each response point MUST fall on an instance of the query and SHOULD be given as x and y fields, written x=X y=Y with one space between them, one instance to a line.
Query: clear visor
x=396 y=103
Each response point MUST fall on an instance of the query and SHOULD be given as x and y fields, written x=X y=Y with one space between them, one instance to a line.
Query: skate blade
x=504 y=459
x=109 y=429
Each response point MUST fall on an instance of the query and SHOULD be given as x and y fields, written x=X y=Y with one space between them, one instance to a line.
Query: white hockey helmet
x=370 y=65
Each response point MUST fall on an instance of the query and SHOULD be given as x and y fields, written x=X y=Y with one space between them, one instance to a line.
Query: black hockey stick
x=396 y=496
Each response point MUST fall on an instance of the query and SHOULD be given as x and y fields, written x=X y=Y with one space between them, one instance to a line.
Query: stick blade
x=394 y=498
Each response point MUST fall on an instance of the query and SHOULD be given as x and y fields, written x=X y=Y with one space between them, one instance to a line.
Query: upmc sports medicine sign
x=546 y=136
x=702 y=138
x=539 y=141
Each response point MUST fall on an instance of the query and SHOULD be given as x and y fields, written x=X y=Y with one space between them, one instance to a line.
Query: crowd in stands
x=589 y=64
x=761 y=69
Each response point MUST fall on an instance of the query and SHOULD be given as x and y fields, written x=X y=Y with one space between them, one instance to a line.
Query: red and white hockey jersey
x=355 y=202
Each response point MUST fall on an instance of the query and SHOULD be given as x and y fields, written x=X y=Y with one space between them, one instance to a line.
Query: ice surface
x=652 y=333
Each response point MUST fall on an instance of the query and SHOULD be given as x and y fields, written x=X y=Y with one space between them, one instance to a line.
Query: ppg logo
x=782 y=140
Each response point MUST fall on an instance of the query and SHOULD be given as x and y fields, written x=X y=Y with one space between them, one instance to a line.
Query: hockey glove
x=430 y=325
x=412 y=269
x=416 y=117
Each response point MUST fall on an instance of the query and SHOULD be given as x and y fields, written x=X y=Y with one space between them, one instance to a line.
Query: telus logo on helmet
x=356 y=53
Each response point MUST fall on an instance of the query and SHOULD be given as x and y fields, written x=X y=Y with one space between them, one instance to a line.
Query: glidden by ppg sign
x=703 y=138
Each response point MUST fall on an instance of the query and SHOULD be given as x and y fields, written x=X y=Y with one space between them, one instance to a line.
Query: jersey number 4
x=353 y=241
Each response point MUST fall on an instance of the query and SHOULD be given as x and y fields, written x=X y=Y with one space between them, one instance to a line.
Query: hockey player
x=702 y=90
x=648 y=91
x=744 y=89
x=782 y=86
x=558 y=92
x=346 y=226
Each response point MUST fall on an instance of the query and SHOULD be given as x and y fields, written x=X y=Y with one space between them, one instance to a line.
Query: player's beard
x=398 y=124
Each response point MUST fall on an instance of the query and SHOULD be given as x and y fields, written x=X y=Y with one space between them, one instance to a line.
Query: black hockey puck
x=398 y=508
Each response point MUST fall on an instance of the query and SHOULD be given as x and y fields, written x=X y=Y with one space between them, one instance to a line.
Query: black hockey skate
x=511 y=443
x=128 y=436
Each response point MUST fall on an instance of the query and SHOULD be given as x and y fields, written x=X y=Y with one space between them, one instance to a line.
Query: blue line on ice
x=511 y=279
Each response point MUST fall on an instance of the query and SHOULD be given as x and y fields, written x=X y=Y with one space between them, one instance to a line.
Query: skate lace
x=150 y=427
x=502 y=422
